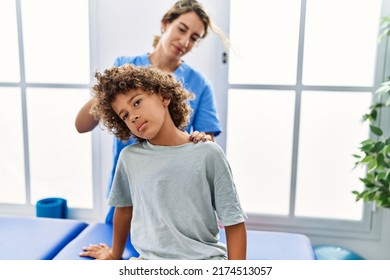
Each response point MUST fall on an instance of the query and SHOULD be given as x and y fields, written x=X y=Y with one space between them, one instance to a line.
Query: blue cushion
x=269 y=245
x=93 y=234
x=32 y=238
x=261 y=245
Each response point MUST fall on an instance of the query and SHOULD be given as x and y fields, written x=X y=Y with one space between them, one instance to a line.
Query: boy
x=167 y=191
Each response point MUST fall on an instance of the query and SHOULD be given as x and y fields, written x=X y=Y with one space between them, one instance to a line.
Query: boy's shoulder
x=210 y=147
x=131 y=148
x=134 y=146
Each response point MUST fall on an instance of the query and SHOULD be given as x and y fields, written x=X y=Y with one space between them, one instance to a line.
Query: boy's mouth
x=141 y=126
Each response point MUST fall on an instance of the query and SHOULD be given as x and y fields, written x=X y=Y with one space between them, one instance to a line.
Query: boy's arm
x=236 y=241
x=122 y=221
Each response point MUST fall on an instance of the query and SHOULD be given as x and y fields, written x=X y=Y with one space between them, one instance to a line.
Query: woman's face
x=181 y=35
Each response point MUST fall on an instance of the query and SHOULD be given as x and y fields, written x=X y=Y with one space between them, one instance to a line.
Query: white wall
x=127 y=28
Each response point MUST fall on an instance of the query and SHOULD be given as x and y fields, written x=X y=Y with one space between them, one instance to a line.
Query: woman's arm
x=85 y=122
x=236 y=241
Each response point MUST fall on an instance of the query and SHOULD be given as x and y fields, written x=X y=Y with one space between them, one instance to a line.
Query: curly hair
x=119 y=80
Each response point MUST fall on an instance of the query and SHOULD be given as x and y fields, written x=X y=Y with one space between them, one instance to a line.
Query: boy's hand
x=197 y=136
x=97 y=251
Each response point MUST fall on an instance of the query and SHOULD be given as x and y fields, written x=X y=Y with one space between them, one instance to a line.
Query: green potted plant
x=375 y=152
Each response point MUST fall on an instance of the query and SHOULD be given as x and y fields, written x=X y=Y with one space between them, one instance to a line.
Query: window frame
x=29 y=209
x=370 y=225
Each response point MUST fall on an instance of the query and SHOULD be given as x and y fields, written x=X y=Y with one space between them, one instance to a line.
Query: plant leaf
x=368 y=141
x=380 y=159
x=367 y=148
x=366 y=182
x=372 y=166
x=376 y=130
x=358 y=195
x=367 y=159
x=374 y=114
x=384 y=88
x=378 y=147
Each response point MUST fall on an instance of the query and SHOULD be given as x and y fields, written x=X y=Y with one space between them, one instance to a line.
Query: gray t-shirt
x=178 y=194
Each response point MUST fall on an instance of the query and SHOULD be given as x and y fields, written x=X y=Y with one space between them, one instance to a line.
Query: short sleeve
x=120 y=192
x=227 y=202
x=226 y=199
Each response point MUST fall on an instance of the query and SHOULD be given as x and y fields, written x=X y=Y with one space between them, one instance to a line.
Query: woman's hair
x=186 y=6
x=119 y=80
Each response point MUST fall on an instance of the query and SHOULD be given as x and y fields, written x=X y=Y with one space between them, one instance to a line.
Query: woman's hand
x=97 y=251
x=197 y=136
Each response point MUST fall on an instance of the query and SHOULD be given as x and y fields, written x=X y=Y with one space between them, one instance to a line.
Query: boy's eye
x=137 y=102
x=125 y=116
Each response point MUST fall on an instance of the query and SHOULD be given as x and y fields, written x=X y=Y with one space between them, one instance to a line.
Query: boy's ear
x=166 y=102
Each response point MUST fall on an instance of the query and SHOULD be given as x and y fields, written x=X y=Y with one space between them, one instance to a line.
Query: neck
x=169 y=134
x=171 y=138
x=161 y=61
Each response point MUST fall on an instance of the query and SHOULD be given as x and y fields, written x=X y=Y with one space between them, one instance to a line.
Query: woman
x=182 y=28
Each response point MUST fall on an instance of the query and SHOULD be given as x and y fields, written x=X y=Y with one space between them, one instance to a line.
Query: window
x=300 y=78
x=44 y=80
